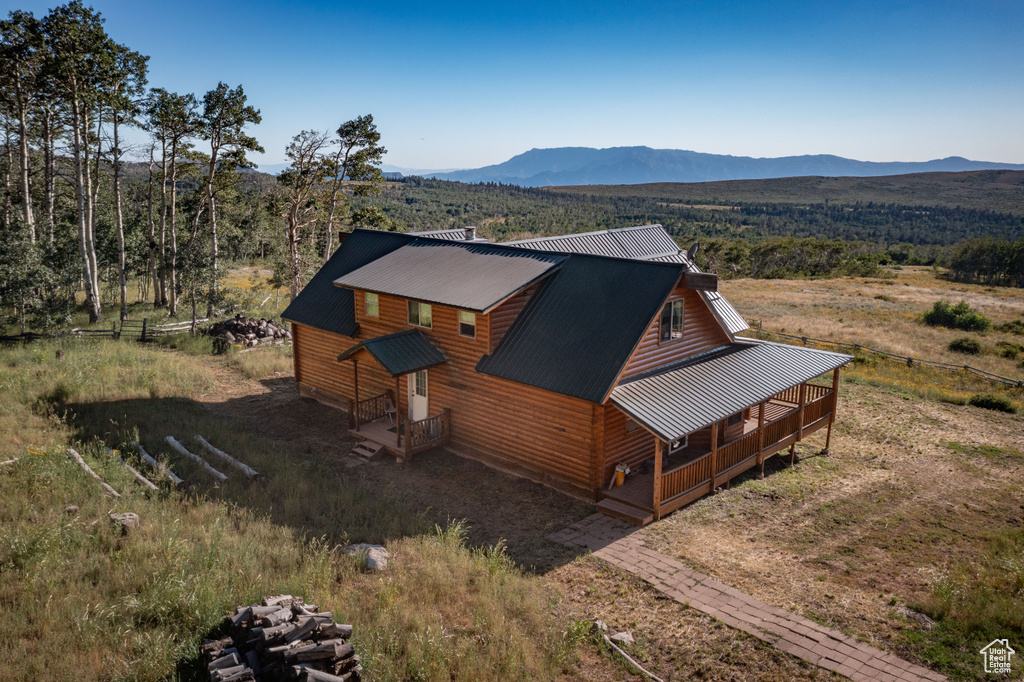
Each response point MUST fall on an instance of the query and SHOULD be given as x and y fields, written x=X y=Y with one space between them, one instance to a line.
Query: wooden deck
x=687 y=474
x=425 y=434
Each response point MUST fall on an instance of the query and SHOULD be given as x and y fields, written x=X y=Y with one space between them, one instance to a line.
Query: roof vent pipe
x=470 y=233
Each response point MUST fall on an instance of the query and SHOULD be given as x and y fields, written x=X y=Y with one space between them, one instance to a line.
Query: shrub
x=965 y=344
x=1014 y=327
x=990 y=401
x=959 y=316
x=1009 y=349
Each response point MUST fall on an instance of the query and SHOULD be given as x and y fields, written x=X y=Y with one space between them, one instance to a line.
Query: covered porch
x=678 y=405
x=379 y=418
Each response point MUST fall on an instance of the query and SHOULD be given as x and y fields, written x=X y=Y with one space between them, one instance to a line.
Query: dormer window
x=372 y=305
x=419 y=314
x=671 y=321
x=467 y=324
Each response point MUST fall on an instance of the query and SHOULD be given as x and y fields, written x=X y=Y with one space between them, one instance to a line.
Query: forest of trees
x=84 y=216
x=81 y=210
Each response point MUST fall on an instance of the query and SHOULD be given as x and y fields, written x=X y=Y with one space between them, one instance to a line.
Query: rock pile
x=282 y=639
x=248 y=332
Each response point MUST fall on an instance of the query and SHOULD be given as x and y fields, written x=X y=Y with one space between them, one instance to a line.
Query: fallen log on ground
x=81 y=462
x=300 y=647
x=9 y=461
x=148 y=459
x=145 y=482
x=246 y=469
x=183 y=450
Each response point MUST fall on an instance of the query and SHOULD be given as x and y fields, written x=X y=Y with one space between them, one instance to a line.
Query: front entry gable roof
x=401 y=353
x=470 y=276
x=706 y=388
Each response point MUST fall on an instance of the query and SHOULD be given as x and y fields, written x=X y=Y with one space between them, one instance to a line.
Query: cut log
x=336 y=630
x=228 y=659
x=9 y=461
x=81 y=462
x=143 y=481
x=148 y=459
x=183 y=450
x=279 y=599
x=305 y=627
x=246 y=469
x=227 y=673
x=276 y=618
x=328 y=650
x=242 y=616
x=314 y=675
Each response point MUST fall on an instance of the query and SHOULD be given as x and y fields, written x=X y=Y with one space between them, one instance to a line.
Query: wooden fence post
x=145 y=321
x=760 y=437
x=803 y=399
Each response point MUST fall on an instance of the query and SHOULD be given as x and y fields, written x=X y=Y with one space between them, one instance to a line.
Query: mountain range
x=634 y=165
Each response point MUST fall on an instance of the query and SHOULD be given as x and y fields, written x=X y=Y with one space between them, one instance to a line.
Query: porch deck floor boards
x=377 y=431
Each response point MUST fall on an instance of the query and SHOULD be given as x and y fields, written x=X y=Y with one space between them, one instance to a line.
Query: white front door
x=418 y=395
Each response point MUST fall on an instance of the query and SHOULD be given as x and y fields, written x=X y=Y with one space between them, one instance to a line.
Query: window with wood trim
x=372 y=304
x=467 y=324
x=671 y=321
x=419 y=314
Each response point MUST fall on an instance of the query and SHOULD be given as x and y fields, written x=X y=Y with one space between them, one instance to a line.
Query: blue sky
x=459 y=85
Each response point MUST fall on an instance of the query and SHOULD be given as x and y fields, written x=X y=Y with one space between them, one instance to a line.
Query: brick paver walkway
x=614 y=541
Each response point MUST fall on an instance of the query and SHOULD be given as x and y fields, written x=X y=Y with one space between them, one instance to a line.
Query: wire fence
x=859 y=349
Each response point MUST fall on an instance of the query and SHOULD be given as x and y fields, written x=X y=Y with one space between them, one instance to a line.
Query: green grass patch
x=991 y=401
x=989 y=451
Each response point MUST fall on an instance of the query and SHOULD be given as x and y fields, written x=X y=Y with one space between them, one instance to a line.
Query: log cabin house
x=556 y=359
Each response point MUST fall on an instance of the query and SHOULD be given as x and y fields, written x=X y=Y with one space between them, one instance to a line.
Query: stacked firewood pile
x=282 y=639
x=248 y=332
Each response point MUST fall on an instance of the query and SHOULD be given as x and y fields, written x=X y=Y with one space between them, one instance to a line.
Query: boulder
x=376 y=556
x=622 y=638
x=125 y=520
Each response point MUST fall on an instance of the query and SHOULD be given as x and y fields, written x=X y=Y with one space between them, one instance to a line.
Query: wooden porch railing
x=688 y=480
x=686 y=477
x=426 y=433
x=373 y=408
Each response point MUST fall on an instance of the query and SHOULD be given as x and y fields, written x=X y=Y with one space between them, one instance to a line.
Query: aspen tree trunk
x=330 y=220
x=213 y=233
x=81 y=176
x=7 y=176
x=163 y=226
x=119 y=223
x=172 y=301
x=25 y=163
x=152 y=233
x=48 y=174
x=90 y=223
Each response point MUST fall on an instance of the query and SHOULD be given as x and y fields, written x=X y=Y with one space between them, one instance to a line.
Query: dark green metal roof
x=325 y=306
x=578 y=331
x=400 y=353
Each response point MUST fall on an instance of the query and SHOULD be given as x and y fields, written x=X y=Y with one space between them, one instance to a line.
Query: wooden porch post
x=714 y=455
x=398 y=411
x=835 y=403
x=658 y=449
x=803 y=399
x=760 y=437
x=355 y=387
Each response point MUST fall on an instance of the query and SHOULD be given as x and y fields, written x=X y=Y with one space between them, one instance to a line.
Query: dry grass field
x=908 y=534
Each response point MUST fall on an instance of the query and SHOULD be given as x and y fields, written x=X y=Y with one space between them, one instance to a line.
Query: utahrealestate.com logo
x=997 y=656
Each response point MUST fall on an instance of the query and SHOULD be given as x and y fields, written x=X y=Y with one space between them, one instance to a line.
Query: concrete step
x=625 y=512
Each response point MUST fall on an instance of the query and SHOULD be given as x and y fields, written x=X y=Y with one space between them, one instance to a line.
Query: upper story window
x=372 y=305
x=671 y=321
x=419 y=314
x=467 y=324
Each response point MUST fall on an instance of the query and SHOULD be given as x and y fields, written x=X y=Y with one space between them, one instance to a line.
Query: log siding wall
x=701 y=332
x=543 y=435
